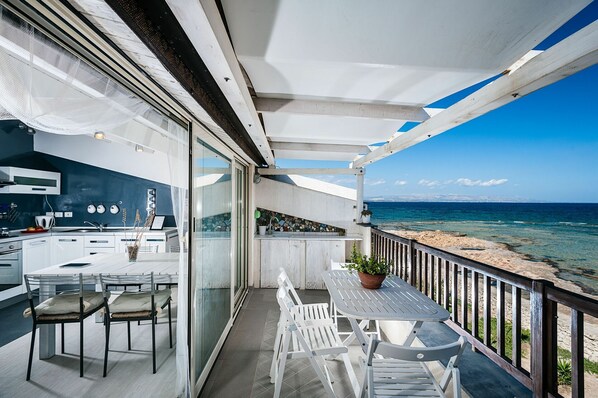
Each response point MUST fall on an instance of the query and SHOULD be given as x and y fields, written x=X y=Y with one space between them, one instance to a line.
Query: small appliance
x=46 y=222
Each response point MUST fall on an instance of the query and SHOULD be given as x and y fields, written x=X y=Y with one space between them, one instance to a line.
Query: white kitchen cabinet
x=95 y=250
x=154 y=242
x=66 y=248
x=150 y=242
x=318 y=254
x=304 y=260
x=121 y=241
x=36 y=254
x=276 y=253
x=99 y=243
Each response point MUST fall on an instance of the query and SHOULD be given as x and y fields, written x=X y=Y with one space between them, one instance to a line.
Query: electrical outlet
x=49 y=213
x=58 y=214
x=68 y=214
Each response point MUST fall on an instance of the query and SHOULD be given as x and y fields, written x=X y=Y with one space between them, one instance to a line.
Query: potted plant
x=365 y=216
x=262 y=223
x=371 y=271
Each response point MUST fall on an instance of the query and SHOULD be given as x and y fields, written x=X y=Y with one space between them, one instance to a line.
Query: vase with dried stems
x=137 y=232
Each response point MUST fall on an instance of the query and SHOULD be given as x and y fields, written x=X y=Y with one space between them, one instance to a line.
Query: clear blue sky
x=542 y=147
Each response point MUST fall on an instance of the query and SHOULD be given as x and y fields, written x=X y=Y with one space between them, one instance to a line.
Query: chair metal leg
x=107 y=323
x=169 y=324
x=129 y=334
x=62 y=337
x=81 y=349
x=154 y=344
x=31 y=351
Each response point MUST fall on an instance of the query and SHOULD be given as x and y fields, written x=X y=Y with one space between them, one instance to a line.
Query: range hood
x=29 y=181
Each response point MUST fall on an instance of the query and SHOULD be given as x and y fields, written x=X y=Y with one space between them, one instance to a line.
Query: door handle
x=41 y=242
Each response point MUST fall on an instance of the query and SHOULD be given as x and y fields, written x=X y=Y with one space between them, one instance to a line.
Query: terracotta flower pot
x=371 y=281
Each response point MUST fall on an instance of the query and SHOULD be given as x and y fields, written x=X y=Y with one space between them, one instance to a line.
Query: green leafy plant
x=366 y=212
x=563 y=371
x=372 y=265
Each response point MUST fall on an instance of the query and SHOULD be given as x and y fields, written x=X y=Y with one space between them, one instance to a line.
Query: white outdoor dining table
x=166 y=265
x=395 y=300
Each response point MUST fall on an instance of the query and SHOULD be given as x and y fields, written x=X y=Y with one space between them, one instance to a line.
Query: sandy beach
x=501 y=256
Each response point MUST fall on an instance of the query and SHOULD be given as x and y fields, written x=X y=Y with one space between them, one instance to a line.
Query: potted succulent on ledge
x=371 y=271
x=262 y=223
x=365 y=216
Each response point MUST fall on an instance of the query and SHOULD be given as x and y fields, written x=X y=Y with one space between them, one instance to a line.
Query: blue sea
x=564 y=235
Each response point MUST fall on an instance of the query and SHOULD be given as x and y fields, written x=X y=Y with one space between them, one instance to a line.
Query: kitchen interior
x=54 y=209
x=77 y=161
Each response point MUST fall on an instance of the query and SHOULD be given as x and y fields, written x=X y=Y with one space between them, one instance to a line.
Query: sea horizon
x=563 y=235
x=493 y=200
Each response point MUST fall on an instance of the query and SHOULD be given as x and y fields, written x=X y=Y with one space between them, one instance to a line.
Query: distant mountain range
x=447 y=198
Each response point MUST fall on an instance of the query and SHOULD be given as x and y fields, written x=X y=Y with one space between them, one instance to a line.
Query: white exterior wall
x=307 y=203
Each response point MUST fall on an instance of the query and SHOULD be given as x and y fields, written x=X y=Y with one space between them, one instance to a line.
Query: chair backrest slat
x=62 y=283
x=285 y=282
x=419 y=354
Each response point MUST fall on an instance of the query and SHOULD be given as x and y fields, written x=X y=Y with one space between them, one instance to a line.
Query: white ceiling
x=407 y=52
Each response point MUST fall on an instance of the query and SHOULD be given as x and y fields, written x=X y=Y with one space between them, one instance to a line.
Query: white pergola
x=336 y=80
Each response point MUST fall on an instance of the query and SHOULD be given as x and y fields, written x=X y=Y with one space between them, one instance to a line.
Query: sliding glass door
x=240 y=269
x=211 y=273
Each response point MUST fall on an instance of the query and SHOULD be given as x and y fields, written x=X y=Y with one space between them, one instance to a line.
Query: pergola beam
x=307 y=171
x=575 y=53
x=306 y=146
x=347 y=109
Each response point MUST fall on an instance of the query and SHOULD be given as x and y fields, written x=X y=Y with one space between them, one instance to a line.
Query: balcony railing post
x=544 y=340
x=411 y=263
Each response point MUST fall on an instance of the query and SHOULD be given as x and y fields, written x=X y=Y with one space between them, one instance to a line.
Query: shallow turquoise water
x=562 y=234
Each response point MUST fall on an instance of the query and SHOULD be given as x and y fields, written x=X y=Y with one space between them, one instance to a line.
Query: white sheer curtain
x=50 y=89
x=178 y=161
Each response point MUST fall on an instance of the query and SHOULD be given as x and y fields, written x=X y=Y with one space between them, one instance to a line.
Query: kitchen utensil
x=46 y=222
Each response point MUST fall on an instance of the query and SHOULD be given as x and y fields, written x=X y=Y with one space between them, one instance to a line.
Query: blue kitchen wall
x=81 y=185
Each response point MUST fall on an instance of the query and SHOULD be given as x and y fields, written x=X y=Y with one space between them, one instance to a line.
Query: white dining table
x=164 y=265
x=395 y=300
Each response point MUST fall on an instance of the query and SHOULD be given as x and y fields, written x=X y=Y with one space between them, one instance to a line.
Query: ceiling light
x=138 y=148
x=99 y=135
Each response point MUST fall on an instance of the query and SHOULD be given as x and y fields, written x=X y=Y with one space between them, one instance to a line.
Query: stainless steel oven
x=11 y=265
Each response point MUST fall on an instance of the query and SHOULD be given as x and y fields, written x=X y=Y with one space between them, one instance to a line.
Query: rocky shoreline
x=504 y=257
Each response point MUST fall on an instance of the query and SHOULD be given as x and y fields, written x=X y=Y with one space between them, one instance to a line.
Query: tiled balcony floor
x=242 y=367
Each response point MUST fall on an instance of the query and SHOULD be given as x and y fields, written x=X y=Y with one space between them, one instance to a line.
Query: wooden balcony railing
x=463 y=285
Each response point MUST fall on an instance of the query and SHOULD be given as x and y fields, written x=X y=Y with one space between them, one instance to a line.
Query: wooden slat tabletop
x=394 y=300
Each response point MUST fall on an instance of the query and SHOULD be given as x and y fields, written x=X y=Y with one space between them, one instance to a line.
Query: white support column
x=359 y=205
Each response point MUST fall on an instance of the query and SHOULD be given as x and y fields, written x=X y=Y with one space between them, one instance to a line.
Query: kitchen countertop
x=306 y=236
x=20 y=236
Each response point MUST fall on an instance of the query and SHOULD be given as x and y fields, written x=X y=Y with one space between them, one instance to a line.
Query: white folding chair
x=317 y=311
x=311 y=339
x=402 y=371
x=335 y=315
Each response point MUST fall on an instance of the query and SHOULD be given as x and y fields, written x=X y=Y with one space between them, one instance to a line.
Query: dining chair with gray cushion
x=75 y=301
x=141 y=305
x=393 y=370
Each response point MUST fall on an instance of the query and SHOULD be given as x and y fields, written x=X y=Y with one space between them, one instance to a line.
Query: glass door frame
x=199 y=136
x=241 y=232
